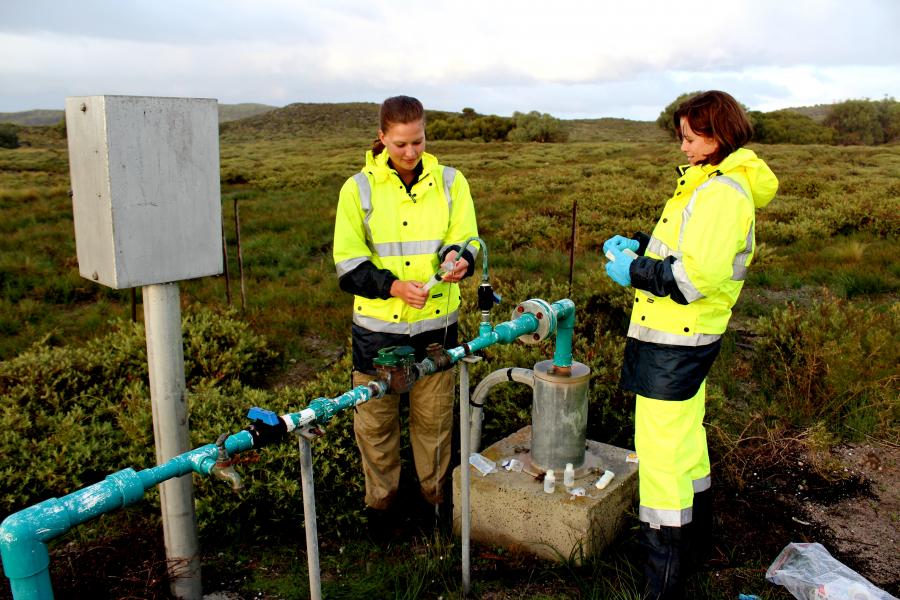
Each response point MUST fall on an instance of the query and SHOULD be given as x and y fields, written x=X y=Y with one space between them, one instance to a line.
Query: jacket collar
x=379 y=168
x=762 y=182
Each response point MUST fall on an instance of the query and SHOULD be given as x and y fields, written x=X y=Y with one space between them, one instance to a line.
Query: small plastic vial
x=445 y=268
x=569 y=475
x=605 y=479
x=549 y=481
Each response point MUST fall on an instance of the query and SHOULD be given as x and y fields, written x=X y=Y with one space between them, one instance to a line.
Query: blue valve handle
x=260 y=414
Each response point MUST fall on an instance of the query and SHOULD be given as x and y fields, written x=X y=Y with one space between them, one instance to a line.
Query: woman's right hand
x=617 y=243
x=411 y=292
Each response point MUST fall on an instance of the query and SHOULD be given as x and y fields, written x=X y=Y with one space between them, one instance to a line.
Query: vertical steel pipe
x=165 y=359
x=309 y=518
x=465 y=526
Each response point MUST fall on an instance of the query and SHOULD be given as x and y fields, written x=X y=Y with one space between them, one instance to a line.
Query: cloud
x=581 y=58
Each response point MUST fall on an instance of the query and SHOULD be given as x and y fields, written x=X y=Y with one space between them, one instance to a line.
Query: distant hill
x=233 y=112
x=43 y=117
x=817 y=113
x=361 y=119
x=308 y=119
x=37 y=117
x=614 y=130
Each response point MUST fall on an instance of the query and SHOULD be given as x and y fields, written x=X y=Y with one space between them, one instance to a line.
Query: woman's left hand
x=460 y=267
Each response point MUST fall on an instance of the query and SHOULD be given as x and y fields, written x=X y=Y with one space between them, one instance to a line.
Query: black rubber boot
x=702 y=525
x=383 y=526
x=666 y=555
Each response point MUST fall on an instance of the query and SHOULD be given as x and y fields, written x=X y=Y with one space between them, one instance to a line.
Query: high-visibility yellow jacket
x=693 y=269
x=405 y=233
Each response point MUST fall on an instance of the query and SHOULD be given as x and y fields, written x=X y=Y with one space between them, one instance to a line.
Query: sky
x=572 y=59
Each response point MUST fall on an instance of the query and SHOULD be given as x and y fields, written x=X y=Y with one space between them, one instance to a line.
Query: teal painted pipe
x=24 y=535
x=484 y=256
x=504 y=333
x=562 y=325
x=565 y=325
x=321 y=410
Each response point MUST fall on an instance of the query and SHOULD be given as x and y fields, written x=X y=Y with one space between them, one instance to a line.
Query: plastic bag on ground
x=809 y=572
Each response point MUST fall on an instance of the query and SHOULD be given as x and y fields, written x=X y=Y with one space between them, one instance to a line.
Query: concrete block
x=145 y=188
x=512 y=510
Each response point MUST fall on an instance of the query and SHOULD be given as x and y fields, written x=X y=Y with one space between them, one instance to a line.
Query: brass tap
x=224 y=467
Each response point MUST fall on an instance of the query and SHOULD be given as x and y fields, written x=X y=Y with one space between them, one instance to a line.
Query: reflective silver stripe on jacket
x=669 y=518
x=739 y=267
x=473 y=251
x=702 y=484
x=645 y=334
x=407 y=248
x=345 y=266
x=661 y=250
x=682 y=280
x=448 y=178
x=684 y=283
x=400 y=248
x=365 y=202
x=414 y=328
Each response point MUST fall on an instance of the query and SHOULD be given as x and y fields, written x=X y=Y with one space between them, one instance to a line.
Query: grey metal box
x=145 y=183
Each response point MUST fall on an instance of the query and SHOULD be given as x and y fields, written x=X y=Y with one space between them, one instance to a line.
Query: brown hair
x=719 y=116
x=397 y=109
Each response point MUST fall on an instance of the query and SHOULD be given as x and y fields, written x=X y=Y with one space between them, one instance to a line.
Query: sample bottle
x=605 y=479
x=549 y=481
x=445 y=268
x=569 y=476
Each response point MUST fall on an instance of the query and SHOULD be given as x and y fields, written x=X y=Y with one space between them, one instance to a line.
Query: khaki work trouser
x=377 y=428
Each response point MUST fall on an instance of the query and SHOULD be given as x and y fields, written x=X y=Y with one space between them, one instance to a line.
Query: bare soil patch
x=856 y=517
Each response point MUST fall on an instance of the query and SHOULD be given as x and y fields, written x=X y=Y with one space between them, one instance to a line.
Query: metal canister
x=559 y=416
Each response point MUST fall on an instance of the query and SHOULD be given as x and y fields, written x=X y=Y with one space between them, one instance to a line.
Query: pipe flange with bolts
x=545 y=316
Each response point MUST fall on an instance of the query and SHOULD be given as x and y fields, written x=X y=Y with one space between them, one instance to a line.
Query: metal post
x=225 y=262
x=572 y=245
x=165 y=359
x=465 y=513
x=309 y=518
x=240 y=254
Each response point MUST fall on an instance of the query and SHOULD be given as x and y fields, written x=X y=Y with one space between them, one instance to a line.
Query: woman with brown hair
x=687 y=276
x=398 y=220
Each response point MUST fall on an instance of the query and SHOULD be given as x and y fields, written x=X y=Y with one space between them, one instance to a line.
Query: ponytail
x=377 y=147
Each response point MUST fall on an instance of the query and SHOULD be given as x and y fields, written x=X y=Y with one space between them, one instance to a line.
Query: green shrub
x=865 y=122
x=537 y=127
x=469 y=126
x=666 y=119
x=9 y=135
x=74 y=414
x=832 y=362
x=788 y=127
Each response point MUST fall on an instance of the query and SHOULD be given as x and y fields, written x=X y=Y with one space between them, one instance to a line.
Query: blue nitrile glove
x=619 y=243
x=619 y=269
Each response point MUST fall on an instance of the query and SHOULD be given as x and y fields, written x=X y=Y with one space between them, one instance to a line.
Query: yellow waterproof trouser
x=377 y=428
x=673 y=459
